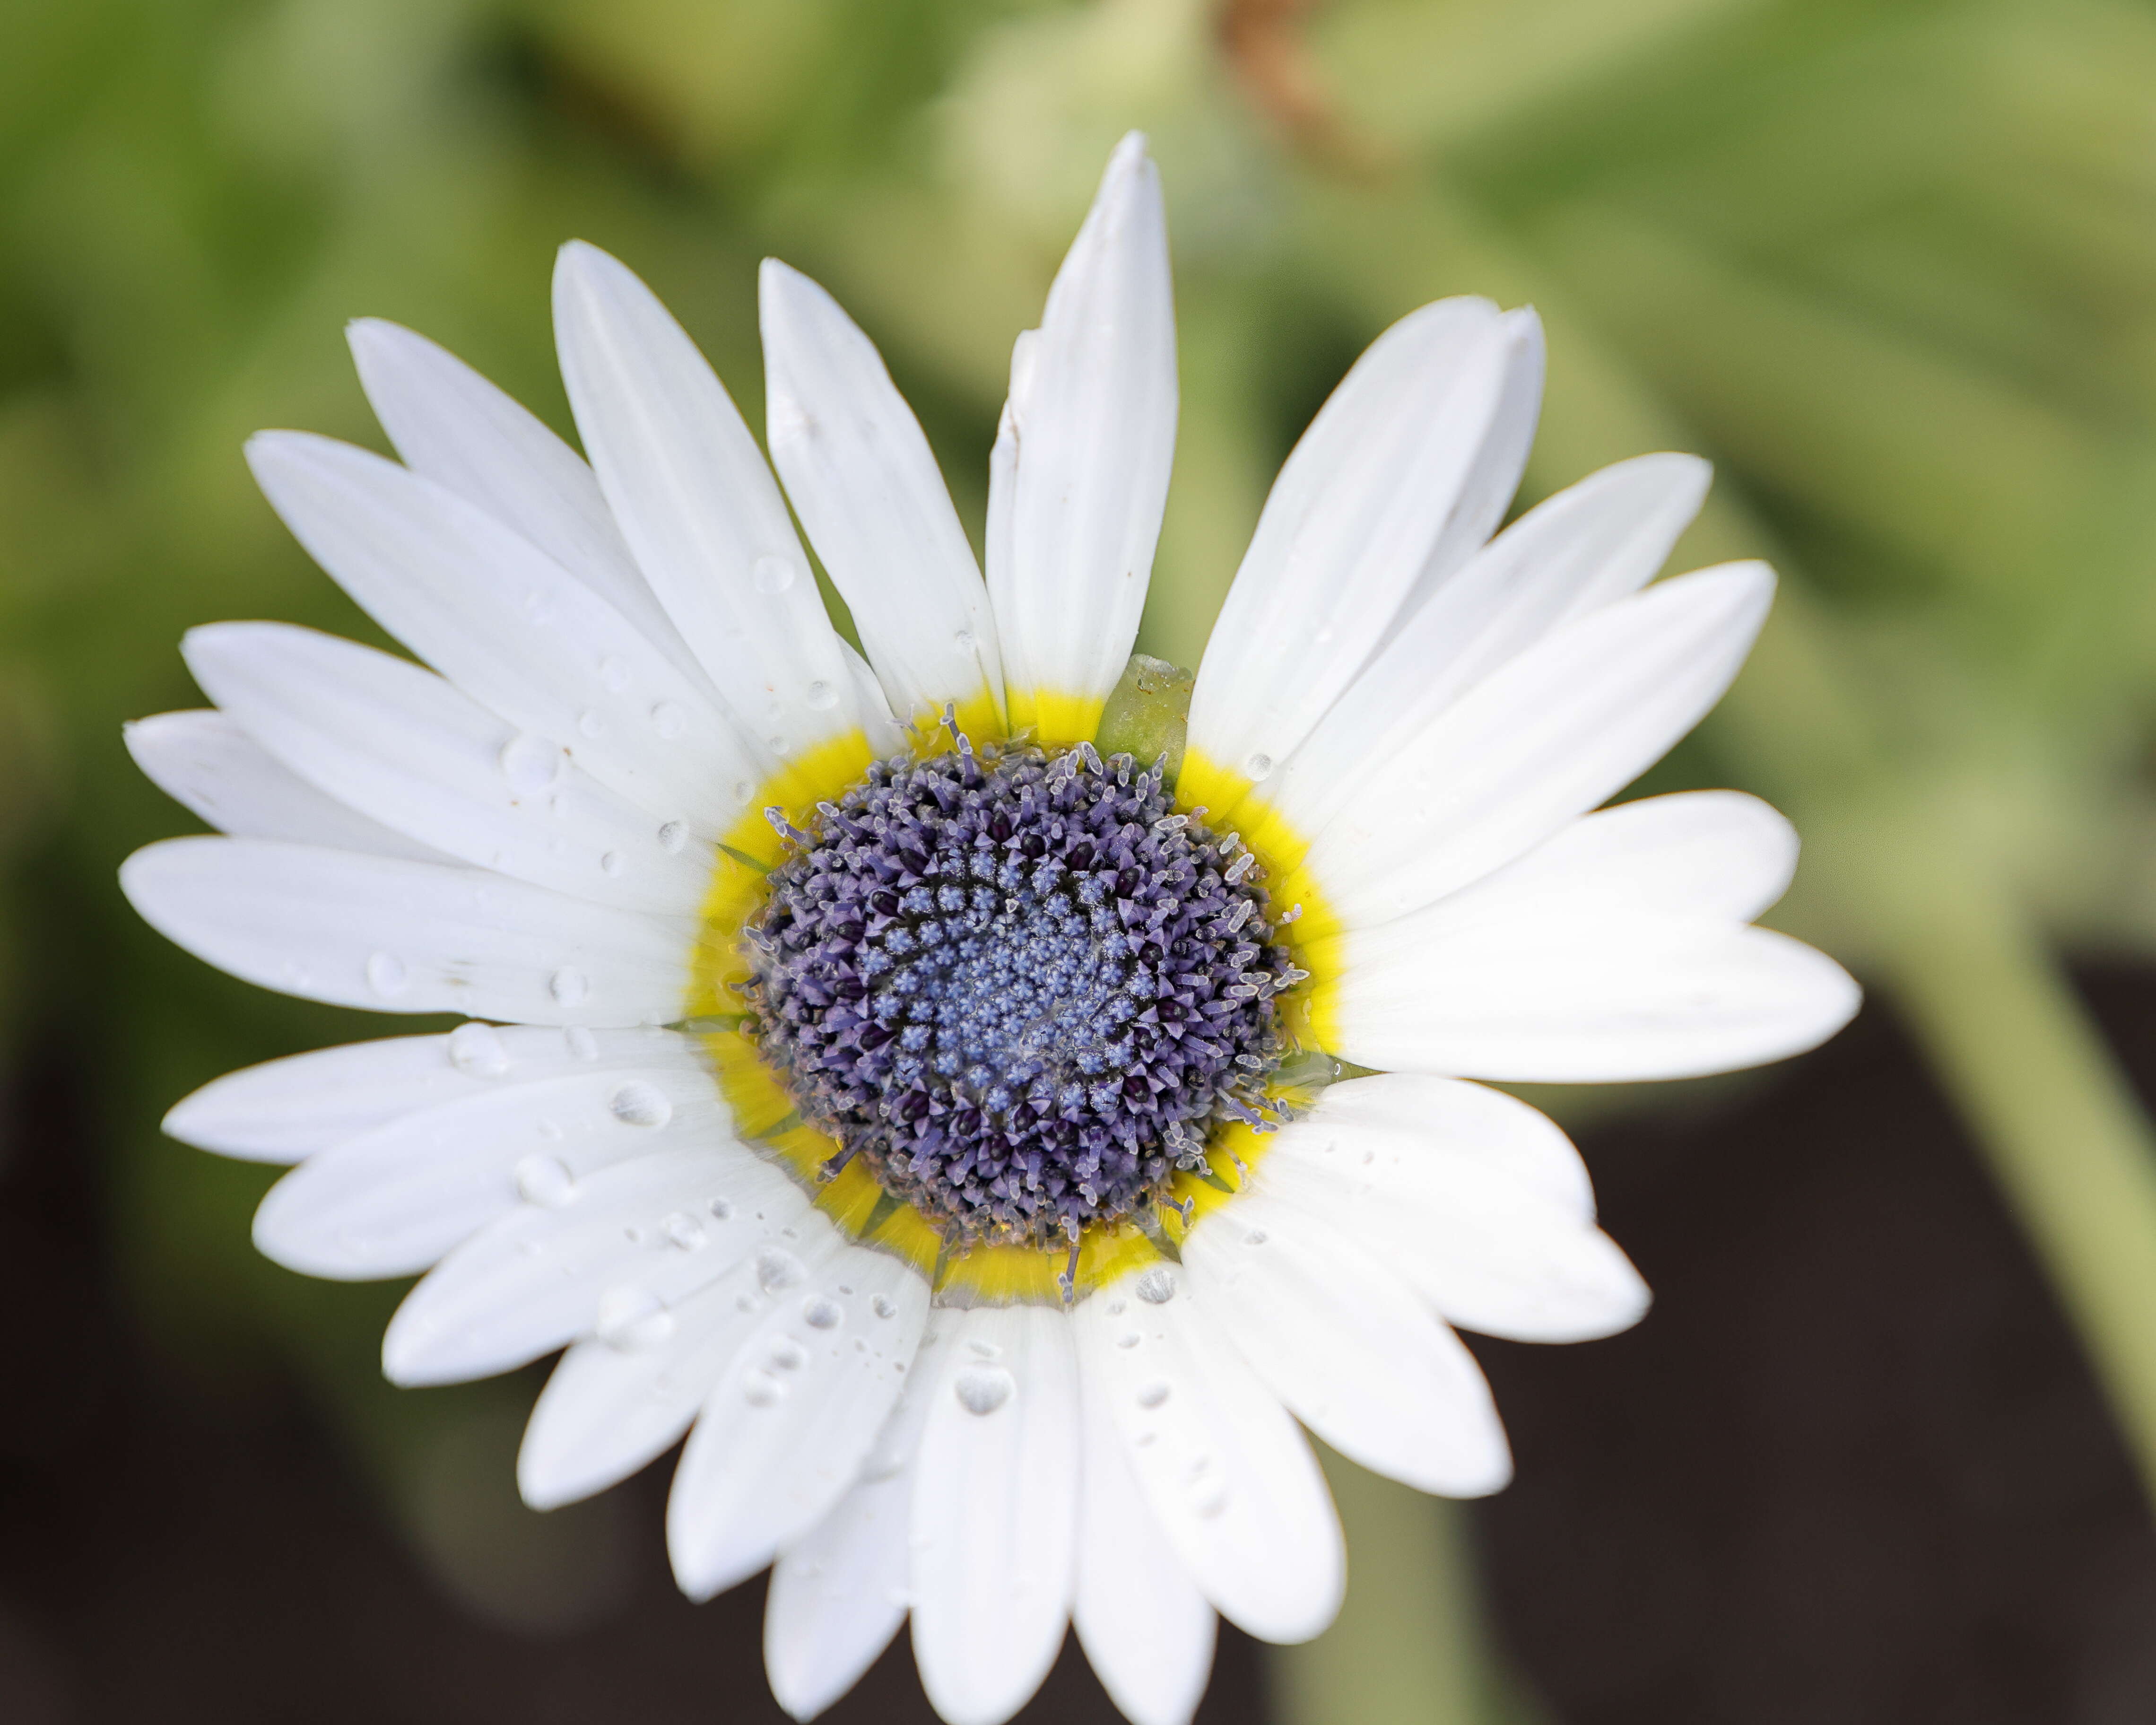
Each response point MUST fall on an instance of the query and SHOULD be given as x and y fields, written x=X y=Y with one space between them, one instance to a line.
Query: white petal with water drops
x=403 y=745
x=207 y=762
x=995 y=1512
x=860 y=473
x=1089 y=436
x=394 y=1200
x=697 y=505
x=287 y=1109
x=1225 y=1472
x=511 y=627
x=1345 y=1343
x=641 y=1236
x=839 y=1593
x=1146 y=1627
x=785 y=1430
x=408 y=936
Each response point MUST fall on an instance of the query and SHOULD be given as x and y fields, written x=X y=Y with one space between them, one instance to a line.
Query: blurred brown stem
x=1265 y=47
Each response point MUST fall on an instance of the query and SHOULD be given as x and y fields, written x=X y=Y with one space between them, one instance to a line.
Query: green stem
x=2054 y=1116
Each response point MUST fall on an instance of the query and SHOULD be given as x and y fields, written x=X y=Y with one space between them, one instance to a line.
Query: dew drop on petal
x=528 y=763
x=545 y=1180
x=591 y=724
x=1129 y=1338
x=386 y=975
x=672 y=837
x=567 y=985
x=1208 y=1497
x=640 y=1104
x=884 y=1305
x=721 y=1208
x=614 y=672
x=630 y=1318
x=684 y=1230
x=822 y=695
x=788 y=1355
x=610 y=862
x=1157 y=1287
x=582 y=1044
x=669 y=721
x=1258 y=765
x=1256 y=1236
x=760 y=1390
x=821 y=1313
x=963 y=641
x=478 y=1050
x=982 y=1389
x=743 y=788
x=1152 y=1394
x=778 y=1270
x=772 y=574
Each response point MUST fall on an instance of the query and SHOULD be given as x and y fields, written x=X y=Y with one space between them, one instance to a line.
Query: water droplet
x=982 y=1389
x=1208 y=1497
x=630 y=1318
x=772 y=574
x=614 y=672
x=386 y=974
x=760 y=1390
x=963 y=641
x=640 y=1104
x=545 y=1180
x=1129 y=1338
x=590 y=724
x=610 y=862
x=672 y=837
x=985 y=1350
x=778 y=1270
x=528 y=763
x=684 y=1230
x=1117 y=1309
x=582 y=1044
x=884 y=1305
x=669 y=721
x=821 y=1313
x=1257 y=1236
x=776 y=745
x=567 y=985
x=743 y=788
x=788 y=1355
x=1258 y=765
x=1152 y=1394
x=723 y=1207
x=1157 y=1287
x=476 y=1048
x=822 y=695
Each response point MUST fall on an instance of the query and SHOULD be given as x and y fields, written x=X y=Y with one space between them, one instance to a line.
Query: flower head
x=908 y=1076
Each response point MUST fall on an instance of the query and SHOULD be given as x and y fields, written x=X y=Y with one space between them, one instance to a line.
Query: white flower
x=935 y=1153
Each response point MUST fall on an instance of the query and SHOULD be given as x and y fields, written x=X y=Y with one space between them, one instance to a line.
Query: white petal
x=1595 y=542
x=403 y=745
x=395 y=1200
x=786 y=1429
x=407 y=936
x=839 y=1593
x=1144 y=1626
x=1471 y=1122
x=611 y=1406
x=206 y=762
x=1091 y=429
x=639 y=1237
x=1718 y=854
x=1488 y=1251
x=1346 y=1343
x=697 y=505
x=452 y=425
x=511 y=627
x=1585 y=998
x=1554 y=733
x=861 y=476
x=995 y=1512
x=287 y=1109
x=1227 y=1475
x=1352 y=519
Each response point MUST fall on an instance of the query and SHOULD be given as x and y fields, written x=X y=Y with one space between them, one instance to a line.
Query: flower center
x=1019 y=985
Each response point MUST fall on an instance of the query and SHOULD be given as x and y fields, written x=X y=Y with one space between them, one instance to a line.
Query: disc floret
x=1019 y=985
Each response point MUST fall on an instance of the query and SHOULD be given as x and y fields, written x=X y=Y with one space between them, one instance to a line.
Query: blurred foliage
x=1892 y=263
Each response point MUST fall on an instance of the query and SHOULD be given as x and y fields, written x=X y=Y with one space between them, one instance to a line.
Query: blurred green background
x=1891 y=265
